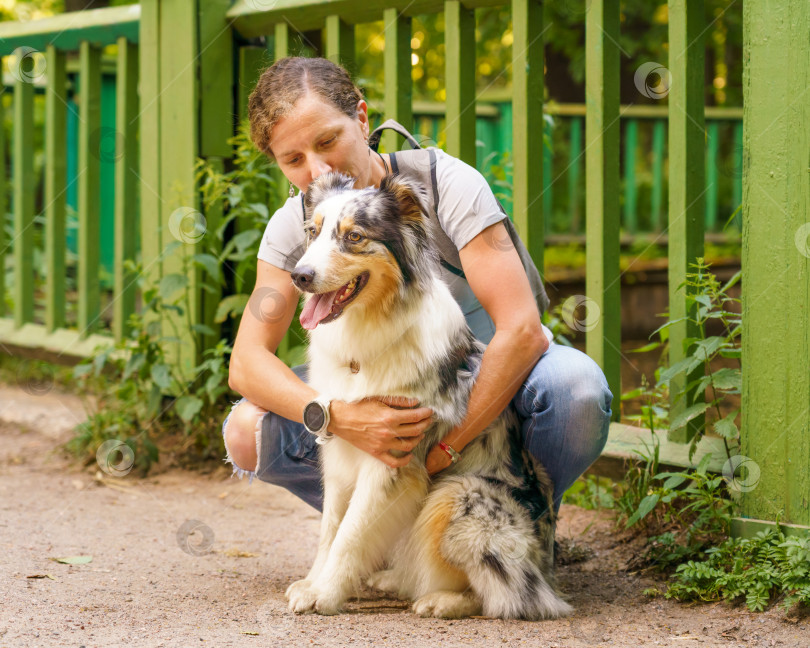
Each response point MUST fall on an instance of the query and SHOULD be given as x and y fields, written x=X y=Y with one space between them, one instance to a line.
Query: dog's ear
x=324 y=186
x=410 y=195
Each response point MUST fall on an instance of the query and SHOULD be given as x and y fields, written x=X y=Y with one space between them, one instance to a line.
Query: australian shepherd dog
x=478 y=537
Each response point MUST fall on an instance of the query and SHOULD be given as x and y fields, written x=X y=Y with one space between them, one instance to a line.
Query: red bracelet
x=454 y=456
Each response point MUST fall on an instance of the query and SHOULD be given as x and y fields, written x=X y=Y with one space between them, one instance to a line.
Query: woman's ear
x=362 y=116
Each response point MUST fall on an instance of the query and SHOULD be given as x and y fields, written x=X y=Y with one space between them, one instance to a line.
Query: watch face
x=314 y=417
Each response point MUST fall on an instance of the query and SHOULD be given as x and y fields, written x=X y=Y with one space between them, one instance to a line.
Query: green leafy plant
x=707 y=301
x=757 y=570
x=138 y=391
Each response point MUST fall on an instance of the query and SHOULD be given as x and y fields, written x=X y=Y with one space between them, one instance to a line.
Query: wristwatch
x=316 y=419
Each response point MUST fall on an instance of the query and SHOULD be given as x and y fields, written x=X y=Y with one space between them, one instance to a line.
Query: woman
x=309 y=116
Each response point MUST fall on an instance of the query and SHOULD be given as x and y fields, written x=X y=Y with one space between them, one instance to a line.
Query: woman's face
x=315 y=138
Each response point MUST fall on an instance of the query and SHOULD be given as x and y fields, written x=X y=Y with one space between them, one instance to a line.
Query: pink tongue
x=316 y=308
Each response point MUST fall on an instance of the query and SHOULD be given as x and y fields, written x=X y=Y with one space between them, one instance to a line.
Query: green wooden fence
x=177 y=99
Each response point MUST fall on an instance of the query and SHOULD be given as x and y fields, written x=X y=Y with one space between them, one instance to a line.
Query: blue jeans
x=564 y=406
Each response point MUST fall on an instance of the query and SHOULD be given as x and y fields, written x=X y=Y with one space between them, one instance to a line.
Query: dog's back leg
x=493 y=539
x=474 y=533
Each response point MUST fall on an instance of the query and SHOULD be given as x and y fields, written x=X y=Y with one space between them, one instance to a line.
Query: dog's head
x=365 y=247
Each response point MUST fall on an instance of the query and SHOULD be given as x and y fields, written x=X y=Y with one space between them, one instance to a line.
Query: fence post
x=603 y=327
x=776 y=264
x=686 y=182
x=398 y=83
x=527 y=125
x=179 y=39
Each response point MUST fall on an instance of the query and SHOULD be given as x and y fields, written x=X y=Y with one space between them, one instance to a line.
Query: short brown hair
x=289 y=79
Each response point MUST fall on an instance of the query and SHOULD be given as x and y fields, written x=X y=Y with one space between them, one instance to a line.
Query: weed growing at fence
x=687 y=514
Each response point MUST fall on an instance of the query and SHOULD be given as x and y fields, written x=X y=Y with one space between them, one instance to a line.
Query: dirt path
x=155 y=581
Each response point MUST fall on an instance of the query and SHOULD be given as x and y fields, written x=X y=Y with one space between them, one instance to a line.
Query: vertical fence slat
x=397 y=64
x=216 y=128
x=459 y=40
x=686 y=178
x=603 y=340
x=574 y=172
x=126 y=126
x=179 y=149
x=3 y=209
x=55 y=186
x=340 y=42
x=548 y=177
x=776 y=262
x=527 y=125
x=712 y=143
x=657 y=192
x=149 y=122
x=252 y=60
x=89 y=187
x=630 y=189
x=282 y=38
x=23 y=170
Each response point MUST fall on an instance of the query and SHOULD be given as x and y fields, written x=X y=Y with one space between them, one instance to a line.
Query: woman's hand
x=437 y=460
x=381 y=424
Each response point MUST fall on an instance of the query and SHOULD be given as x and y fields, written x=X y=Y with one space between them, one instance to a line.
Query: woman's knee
x=240 y=434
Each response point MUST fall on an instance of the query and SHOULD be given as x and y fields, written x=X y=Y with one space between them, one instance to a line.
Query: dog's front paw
x=447 y=605
x=302 y=596
x=328 y=603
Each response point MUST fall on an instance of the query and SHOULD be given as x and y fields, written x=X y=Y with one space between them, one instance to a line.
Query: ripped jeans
x=564 y=407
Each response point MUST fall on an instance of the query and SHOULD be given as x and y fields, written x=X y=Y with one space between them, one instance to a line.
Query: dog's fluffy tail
x=492 y=539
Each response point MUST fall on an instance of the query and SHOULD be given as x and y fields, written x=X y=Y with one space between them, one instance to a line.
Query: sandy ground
x=187 y=559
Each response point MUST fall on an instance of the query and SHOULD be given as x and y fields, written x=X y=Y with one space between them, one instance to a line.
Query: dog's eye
x=311 y=231
x=354 y=237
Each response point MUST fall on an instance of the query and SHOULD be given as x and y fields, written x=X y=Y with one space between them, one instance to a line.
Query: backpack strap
x=391 y=124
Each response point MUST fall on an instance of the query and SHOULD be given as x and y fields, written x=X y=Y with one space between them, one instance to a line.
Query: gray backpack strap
x=390 y=124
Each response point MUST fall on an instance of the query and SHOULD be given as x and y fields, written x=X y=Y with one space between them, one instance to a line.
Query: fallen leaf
x=41 y=576
x=249 y=632
x=74 y=560
x=237 y=553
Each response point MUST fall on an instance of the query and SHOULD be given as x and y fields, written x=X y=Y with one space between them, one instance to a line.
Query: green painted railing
x=180 y=101
x=39 y=51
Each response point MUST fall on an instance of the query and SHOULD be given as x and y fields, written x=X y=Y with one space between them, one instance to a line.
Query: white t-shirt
x=466 y=207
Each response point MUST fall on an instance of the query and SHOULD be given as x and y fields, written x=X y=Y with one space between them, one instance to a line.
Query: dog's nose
x=303 y=277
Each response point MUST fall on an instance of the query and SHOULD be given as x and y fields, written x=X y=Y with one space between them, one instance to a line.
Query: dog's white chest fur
x=390 y=360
